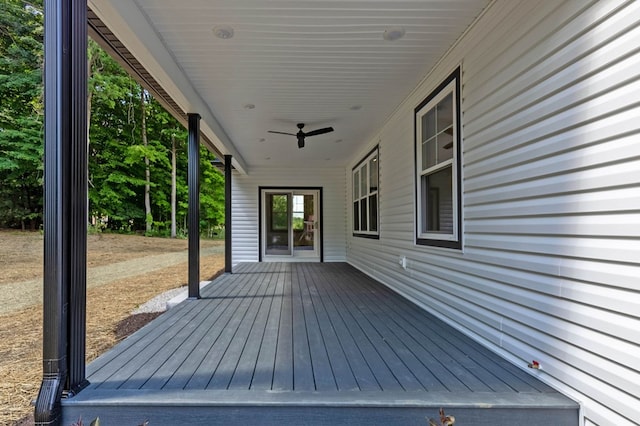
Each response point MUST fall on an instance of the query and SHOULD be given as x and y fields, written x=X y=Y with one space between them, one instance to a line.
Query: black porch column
x=65 y=205
x=227 y=214
x=193 y=212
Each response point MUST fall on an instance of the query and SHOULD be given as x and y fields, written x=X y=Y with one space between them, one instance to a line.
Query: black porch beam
x=227 y=214
x=65 y=206
x=193 y=211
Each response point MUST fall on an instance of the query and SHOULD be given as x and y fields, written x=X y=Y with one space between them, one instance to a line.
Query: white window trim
x=375 y=153
x=451 y=85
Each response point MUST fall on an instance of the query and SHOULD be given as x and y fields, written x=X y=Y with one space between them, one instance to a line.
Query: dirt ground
x=109 y=306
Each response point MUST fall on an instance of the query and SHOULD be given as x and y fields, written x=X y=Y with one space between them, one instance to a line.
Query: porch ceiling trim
x=166 y=81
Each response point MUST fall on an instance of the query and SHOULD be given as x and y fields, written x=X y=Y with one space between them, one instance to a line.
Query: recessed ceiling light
x=261 y=140
x=267 y=158
x=249 y=106
x=355 y=107
x=338 y=140
x=327 y=159
x=223 y=31
x=393 y=33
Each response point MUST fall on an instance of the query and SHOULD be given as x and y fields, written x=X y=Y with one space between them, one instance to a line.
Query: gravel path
x=17 y=296
x=171 y=297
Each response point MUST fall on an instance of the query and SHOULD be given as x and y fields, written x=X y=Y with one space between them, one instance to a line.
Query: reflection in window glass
x=429 y=125
x=438 y=168
x=364 y=190
x=373 y=213
x=365 y=195
x=439 y=202
x=373 y=174
x=279 y=212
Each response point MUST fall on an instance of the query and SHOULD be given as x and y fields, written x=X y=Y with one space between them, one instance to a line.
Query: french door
x=290 y=228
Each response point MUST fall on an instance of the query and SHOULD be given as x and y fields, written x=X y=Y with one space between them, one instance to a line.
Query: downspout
x=65 y=209
x=227 y=215
x=193 y=211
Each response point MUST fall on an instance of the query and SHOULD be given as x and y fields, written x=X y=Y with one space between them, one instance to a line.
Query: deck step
x=312 y=408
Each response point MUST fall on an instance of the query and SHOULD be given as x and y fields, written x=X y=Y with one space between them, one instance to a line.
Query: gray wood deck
x=287 y=340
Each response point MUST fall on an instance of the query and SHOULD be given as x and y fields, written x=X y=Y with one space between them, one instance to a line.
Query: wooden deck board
x=323 y=375
x=246 y=365
x=462 y=353
x=360 y=368
x=145 y=347
x=322 y=334
x=422 y=378
x=366 y=316
x=224 y=332
x=302 y=367
x=283 y=362
x=454 y=365
x=262 y=378
x=349 y=314
x=221 y=308
x=343 y=375
x=428 y=359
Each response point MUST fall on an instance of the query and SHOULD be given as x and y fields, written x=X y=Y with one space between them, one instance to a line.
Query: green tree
x=211 y=192
x=114 y=185
x=21 y=113
x=136 y=150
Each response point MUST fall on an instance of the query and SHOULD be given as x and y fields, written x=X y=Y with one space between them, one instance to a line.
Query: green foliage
x=21 y=113
x=211 y=191
x=116 y=152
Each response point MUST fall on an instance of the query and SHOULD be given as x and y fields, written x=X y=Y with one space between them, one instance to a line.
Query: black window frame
x=358 y=168
x=454 y=240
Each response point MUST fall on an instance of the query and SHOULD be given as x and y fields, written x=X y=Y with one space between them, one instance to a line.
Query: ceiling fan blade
x=319 y=131
x=281 y=133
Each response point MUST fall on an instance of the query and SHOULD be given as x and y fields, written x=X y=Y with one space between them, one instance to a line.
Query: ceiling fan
x=301 y=135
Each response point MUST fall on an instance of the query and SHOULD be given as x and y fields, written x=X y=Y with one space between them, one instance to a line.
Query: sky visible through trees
x=122 y=146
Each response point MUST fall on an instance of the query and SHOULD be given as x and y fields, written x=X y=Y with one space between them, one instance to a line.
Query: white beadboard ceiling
x=319 y=62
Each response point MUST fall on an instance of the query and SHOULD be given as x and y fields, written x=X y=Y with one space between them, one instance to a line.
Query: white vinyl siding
x=551 y=195
x=245 y=209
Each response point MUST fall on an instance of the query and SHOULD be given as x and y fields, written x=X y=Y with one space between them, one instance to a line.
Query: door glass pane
x=304 y=222
x=363 y=214
x=277 y=224
x=298 y=212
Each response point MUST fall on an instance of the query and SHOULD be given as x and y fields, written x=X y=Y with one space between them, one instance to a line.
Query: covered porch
x=307 y=343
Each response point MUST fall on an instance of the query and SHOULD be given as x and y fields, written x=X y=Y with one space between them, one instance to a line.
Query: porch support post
x=193 y=220
x=227 y=214
x=65 y=206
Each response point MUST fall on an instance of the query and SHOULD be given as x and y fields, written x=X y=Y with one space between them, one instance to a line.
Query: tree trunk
x=147 y=172
x=91 y=63
x=173 y=185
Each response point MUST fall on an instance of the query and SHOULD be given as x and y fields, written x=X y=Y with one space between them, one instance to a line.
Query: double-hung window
x=438 y=171
x=365 y=196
